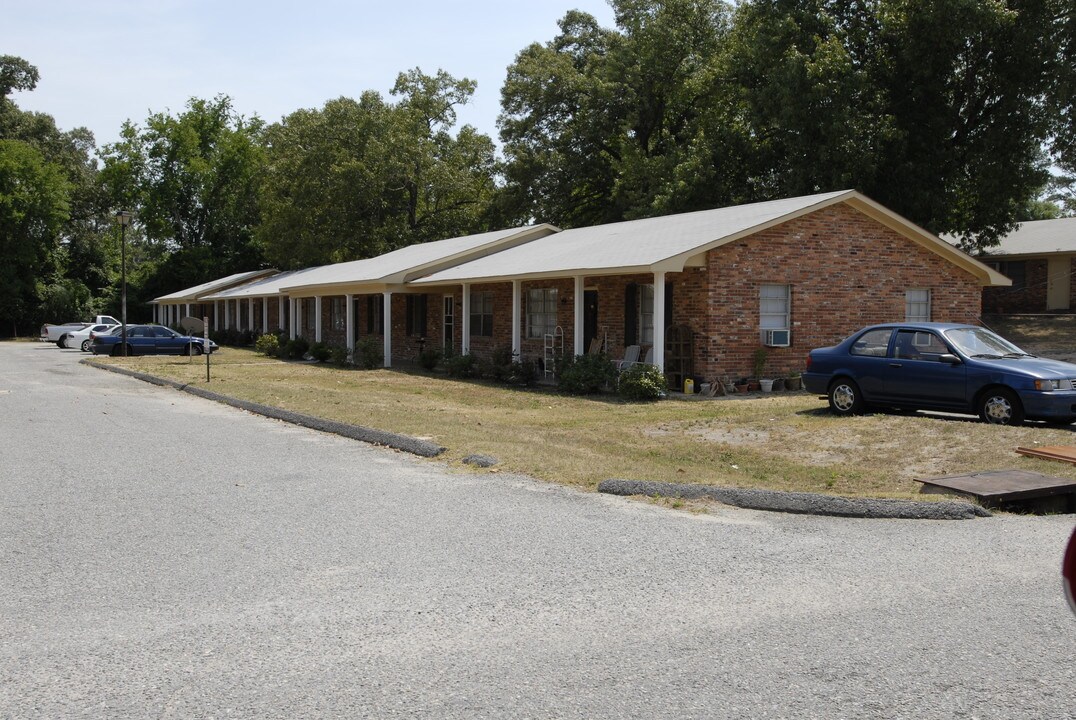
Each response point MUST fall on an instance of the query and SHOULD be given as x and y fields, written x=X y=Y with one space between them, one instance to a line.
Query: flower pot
x=766 y=385
x=793 y=383
x=753 y=385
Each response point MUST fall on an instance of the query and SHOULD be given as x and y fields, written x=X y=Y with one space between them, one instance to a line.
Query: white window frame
x=541 y=312
x=646 y=314
x=338 y=313
x=917 y=307
x=775 y=307
x=482 y=308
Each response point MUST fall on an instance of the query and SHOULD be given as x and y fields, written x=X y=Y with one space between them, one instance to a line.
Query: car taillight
x=808 y=361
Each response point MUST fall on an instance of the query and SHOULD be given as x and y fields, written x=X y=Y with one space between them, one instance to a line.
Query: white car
x=82 y=339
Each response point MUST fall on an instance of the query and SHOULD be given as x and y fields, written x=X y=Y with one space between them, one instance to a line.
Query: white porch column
x=280 y=312
x=517 y=309
x=317 y=318
x=387 y=317
x=659 y=320
x=292 y=324
x=188 y=310
x=216 y=314
x=170 y=309
x=265 y=316
x=250 y=314
x=299 y=316
x=350 y=319
x=465 y=325
x=578 y=321
x=227 y=316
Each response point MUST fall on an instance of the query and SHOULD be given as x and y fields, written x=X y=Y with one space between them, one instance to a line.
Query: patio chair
x=631 y=356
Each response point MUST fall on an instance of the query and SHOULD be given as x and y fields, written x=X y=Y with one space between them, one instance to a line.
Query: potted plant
x=793 y=381
x=758 y=363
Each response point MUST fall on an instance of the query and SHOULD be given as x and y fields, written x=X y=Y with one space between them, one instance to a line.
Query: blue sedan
x=149 y=340
x=942 y=366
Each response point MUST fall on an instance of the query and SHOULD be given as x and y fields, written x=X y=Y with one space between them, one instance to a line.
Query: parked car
x=83 y=338
x=52 y=332
x=942 y=366
x=149 y=340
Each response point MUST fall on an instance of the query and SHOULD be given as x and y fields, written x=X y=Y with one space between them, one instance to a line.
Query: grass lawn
x=785 y=441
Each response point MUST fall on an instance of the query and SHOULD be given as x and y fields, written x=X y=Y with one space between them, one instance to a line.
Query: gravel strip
x=801 y=503
x=405 y=443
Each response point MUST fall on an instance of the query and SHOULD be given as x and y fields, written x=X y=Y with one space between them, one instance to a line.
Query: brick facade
x=844 y=270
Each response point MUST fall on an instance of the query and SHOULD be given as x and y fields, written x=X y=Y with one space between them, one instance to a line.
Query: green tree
x=33 y=209
x=360 y=177
x=192 y=181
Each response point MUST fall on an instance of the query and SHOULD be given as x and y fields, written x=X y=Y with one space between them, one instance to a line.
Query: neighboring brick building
x=702 y=292
x=1038 y=257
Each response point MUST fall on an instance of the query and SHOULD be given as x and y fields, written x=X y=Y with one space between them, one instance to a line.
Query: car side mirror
x=949 y=358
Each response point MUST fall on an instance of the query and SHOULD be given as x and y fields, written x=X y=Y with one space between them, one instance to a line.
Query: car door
x=141 y=340
x=168 y=341
x=869 y=362
x=918 y=376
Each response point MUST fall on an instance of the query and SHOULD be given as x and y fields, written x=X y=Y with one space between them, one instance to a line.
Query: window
x=541 y=312
x=338 y=313
x=646 y=314
x=774 y=307
x=416 y=315
x=310 y=318
x=918 y=345
x=482 y=314
x=872 y=344
x=917 y=306
x=375 y=314
x=1015 y=270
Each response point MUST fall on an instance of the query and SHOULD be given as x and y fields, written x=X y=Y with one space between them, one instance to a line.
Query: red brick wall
x=845 y=271
x=1029 y=299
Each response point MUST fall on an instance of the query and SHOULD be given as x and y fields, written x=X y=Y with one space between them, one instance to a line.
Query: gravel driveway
x=166 y=556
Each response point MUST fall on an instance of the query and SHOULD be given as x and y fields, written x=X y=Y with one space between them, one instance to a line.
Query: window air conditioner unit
x=776 y=338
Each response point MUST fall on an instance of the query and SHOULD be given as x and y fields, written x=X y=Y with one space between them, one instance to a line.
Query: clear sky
x=106 y=61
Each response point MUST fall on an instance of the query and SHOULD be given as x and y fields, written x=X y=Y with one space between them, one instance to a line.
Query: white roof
x=265 y=287
x=1038 y=237
x=198 y=291
x=669 y=243
x=401 y=265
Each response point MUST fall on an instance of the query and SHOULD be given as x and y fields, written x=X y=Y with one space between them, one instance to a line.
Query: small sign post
x=206 y=347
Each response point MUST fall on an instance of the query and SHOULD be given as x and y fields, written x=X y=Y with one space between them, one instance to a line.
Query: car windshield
x=980 y=342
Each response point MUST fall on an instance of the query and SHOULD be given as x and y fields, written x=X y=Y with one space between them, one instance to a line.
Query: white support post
x=188 y=310
x=227 y=316
x=317 y=318
x=387 y=318
x=299 y=316
x=659 y=321
x=465 y=325
x=280 y=312
x=292 y=325
x=216 y=314
x=517 y=308
x=350 y=318
x=265 y=316
x=250 y=314
x=578 y=321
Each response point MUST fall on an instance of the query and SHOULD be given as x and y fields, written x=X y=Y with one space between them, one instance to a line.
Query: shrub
x=296 y=349
x=338 y=355
x=268 y=345
x=642 y=382
x=369 y=354
x=320 y=352
x=461 y=366
x=585 y=374
x=429 y=358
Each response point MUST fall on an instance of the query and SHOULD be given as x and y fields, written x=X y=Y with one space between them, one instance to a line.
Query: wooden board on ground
x=999 y=486
x=1064 y=453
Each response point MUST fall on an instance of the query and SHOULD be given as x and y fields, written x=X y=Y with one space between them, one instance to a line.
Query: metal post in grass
x=206 y=346
x=124 y=219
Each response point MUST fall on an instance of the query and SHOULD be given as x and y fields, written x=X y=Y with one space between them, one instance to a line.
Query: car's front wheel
x=1000 y=406
x=845 y=397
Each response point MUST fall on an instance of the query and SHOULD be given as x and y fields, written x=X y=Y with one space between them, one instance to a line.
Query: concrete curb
x=801 y=503
x=405 y=443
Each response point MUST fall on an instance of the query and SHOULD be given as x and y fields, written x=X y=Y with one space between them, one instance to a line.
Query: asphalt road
x=165 y=556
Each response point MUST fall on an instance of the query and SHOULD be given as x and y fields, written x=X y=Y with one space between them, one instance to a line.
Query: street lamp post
x=124 y=219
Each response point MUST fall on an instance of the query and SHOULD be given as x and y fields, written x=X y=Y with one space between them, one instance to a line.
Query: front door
x=448 y=324
x=1058 y=281
x=590 y=318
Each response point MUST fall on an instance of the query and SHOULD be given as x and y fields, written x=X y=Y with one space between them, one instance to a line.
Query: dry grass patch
x=784 y=441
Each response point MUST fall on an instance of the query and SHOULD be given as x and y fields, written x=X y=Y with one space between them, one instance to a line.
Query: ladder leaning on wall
x=552 y=348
